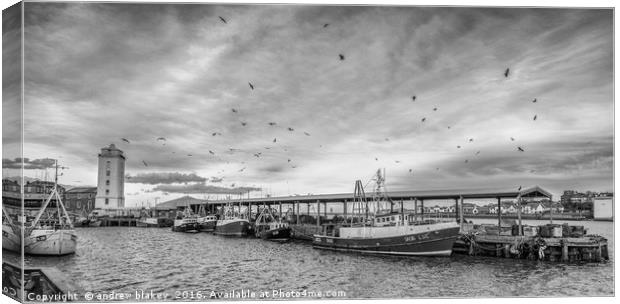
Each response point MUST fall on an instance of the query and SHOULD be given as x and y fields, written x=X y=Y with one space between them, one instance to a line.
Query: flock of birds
x=236 y=111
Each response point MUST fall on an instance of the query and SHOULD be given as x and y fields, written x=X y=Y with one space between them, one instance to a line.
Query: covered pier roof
x=530 y=192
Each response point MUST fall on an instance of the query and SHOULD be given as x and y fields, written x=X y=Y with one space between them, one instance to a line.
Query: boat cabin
x=388 y=219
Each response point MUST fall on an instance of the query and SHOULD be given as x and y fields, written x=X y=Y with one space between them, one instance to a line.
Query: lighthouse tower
x=111 y=179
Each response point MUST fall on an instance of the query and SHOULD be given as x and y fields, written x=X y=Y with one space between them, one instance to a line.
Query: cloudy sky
x=97 y=73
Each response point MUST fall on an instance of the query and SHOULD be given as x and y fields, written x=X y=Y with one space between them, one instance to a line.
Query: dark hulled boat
x=389 y=233
x=277 y=231
x=233 y=223
x=232 y=227
x=268 y=227
x=207 y=223
x=428 y=239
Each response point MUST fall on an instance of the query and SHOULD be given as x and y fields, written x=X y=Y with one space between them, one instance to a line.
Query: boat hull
x=186 y=227
x=147 y=223
x=94 y=223
x=434 y=242
x=50 y=242
x=10 y=240
x=234 y=227
x=278 y=234
x=208 y=226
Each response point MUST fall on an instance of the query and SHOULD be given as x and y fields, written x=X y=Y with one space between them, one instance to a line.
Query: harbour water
x=130 y=259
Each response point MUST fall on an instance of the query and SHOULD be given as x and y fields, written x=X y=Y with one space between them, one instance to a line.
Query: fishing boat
x=206 y=223
x=268 y=227
x=146 y=220
x=186 y=222
x=11 y=233
x=51 y=232
x=232 y=224
x=95 y=219
x=388 y=233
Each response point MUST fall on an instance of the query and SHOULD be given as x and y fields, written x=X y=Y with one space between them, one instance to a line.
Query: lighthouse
x=111 y=179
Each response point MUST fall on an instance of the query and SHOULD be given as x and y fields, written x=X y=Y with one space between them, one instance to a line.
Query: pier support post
x=415 y=208
x=461 y=214
x=597 y=253
x=564 y=250
x=499 y=216
x=520 y=233
x=318 y=213
x=280 y=207
x=456 y=209
x=422 y=209
x=297 y=213
x=325 y=210
x=506 y=250
x=344 y=207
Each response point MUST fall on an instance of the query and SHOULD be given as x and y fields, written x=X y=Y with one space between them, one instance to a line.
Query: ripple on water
x=125 y=259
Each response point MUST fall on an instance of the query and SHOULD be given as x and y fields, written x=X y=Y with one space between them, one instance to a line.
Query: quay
x=43 y=284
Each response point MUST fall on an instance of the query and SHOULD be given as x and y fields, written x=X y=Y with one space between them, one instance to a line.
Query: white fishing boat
x=51 y=232
x=11 y=239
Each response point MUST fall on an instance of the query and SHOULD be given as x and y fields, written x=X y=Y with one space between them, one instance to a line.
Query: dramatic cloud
x=164 y=178
x=99 y=72
x=16 y=163
x=202 y=188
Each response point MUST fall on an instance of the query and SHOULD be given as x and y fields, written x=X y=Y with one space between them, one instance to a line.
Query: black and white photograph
x=319 y=151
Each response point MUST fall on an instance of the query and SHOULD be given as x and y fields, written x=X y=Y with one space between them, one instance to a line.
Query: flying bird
x=413 y=97
x=274 y=140
x=243 y=123
x=189 y=155
x=272 y=123
x=213 y=153
x=289 y=160
x=512 y=139
x=215 y=133
x=232 y=185
x=434 y=109
x=387 y=139
x=234 y=110
x=145 y=164
x=458 y=147
x=471 y=139
x=507 y=72
x=293 y=167
x=520 y=149
x=307 y=134
x=397 y=161
x=341 y=56
x=291 y=129
x=325 y=25
x=257 y=154
x=477 y=152
x=161 y=138
x=223 y=20
x=534 y=100
x=242 y=169
x=535 y=116
x=424 y=119
x=125 y=140
x=519 y=188
x=449 y=127
x=467 y=160
x=410 y=170
x=251 y=85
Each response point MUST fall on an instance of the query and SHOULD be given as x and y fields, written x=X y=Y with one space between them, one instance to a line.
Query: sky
x=264 y=102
